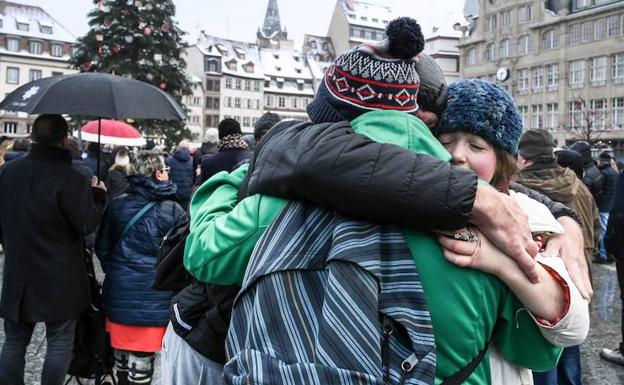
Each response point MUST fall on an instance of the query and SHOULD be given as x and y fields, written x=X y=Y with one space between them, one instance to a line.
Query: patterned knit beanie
x=482 y=108
x=372 y=77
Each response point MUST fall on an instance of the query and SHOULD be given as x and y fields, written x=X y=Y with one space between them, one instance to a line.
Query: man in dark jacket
x=614 y=243
x=46 y=207
x=182 y=173
x=605 y=199
x=233 y=151
x=592 y=177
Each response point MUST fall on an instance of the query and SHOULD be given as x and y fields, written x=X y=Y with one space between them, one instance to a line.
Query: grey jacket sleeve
x=556 y=208
x=330 y=165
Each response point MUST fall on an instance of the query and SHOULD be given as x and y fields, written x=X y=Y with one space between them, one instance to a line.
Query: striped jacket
x=328 y=300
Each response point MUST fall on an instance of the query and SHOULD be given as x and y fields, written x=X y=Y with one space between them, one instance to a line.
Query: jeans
x=182 y=365
x=604 y=219
x=567 y=372
x=60 y=342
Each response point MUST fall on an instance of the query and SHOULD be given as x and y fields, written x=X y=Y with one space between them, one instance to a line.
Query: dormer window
x=278 y=68
x=364 y=18
x=375 y=20
x=296 y=58
x=298 y=70
x=45 y=28
x=22 y=26
x=231 y=65
x=223 y=49
x=240 y=52
x=276 y=56
x=249 y=67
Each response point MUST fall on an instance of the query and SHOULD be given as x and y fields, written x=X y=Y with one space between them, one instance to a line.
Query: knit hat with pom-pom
x=372 y=77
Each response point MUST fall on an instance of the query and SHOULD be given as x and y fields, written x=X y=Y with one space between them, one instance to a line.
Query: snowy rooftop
x=298 y=87
x=31 y=21
x=317 y=67
x=237 y=57
x=284 y=64
x=367 y=14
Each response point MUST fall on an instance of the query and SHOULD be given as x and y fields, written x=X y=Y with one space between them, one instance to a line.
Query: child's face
x=471 y=151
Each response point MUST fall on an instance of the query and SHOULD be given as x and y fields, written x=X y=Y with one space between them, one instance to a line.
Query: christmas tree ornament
x=129 y=38
x=116 y=48
x=163 y=85
x=148 y=30
x=99 y=37
x=165 y=27
x=142 y=25
x=149 y=77
x=148 y=7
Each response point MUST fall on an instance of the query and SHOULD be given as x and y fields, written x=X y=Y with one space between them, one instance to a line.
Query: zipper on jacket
x=388 y=329
x=407 y=366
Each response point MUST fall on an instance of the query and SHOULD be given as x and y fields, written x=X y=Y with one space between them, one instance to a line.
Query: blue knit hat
x=372 y=77
x=482 y=108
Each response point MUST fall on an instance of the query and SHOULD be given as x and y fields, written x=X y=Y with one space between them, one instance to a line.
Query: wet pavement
x=604 y=332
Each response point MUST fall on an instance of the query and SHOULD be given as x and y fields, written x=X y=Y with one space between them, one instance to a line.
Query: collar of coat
x=46 y=152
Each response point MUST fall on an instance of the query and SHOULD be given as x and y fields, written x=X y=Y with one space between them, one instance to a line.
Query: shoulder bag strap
x=462 y=375
x=135 y=218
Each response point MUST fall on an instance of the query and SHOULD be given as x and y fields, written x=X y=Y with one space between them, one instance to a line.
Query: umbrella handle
x=98 y=149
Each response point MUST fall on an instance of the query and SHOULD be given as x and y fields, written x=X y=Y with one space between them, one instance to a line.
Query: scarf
x=232 y=142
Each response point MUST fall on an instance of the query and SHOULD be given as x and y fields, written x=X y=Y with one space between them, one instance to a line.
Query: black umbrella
x=94 y=94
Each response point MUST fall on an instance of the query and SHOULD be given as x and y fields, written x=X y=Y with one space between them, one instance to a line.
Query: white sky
x=240 y=19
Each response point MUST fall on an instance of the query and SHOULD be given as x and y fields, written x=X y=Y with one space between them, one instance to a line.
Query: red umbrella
x=112 y=132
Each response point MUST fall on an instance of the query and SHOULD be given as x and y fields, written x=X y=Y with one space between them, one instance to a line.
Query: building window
x=247 y=85
x=293 y=102
x=257 y=104
x=524 y=14
x=618 y=112
x=256 y=85
x=618 y=68
x=22 y=27
x=489 y=52
x=505 y=18
x=537 y=119
x=598 y=113
x=55 y=73
x=246 y=121
x=36 y=47
x=209 y=103
x=537 y=78
x=598 y=71
x=577 y=73
x=524 y=113
x=237 y=102
x=550 y=40
x=600 y=29
x=12 y=44
x=575 y=115
x=228 y=101
x=269 y=100
x=490 y=23
x=212 y=66
x=471 y=56
x=552 y=77
x=281 y=101
x=249 y=102
x=45 y=29
x=215 y=103
x=505 y=50
x=209 y=85
x=587 y=31
x=12 y=75
x=574 y=33
x=34 y=75
x=228 y=82
x=612 y=25
x=551 y=116
x=56 y=50
x=10 y=127
x=238 y=84
x=524 y=44
x=523 y=80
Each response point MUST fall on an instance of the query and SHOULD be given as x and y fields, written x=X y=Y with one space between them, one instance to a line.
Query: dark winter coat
x=207 y=309
x=225 y=160
x=46 y=207
x=205 y=150
x=91 y=161
x=182 y=174
x=116 y=182
x=605 y=199
x=79 y=166
x=129 y=262
x=614 y=236
x=331 y=166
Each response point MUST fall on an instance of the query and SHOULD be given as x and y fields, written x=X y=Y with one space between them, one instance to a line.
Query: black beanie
x=536 y=144
x=263 y=124
x=229 y=127
x=571 y=159
x=605 y=156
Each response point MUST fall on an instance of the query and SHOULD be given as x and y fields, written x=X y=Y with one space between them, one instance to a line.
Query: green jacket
x=465 y=304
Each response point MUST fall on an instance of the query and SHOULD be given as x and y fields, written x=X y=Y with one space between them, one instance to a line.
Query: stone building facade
x=563 y=62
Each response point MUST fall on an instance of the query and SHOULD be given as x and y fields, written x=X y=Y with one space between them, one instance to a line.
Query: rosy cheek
x=483 y=167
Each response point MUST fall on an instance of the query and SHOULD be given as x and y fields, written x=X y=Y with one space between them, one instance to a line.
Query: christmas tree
x=140 y=40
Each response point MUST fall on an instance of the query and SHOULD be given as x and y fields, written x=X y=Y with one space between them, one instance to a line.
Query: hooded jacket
x=129 y=262
x=562 y=185
x=592 y=178
x=182 y=174
x=605 y=199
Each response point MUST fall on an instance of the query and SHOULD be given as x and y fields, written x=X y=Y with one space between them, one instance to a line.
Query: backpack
x=171 y=275
x=329 y=300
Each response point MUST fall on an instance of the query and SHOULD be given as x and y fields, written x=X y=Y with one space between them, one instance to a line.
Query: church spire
x=271 y=24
